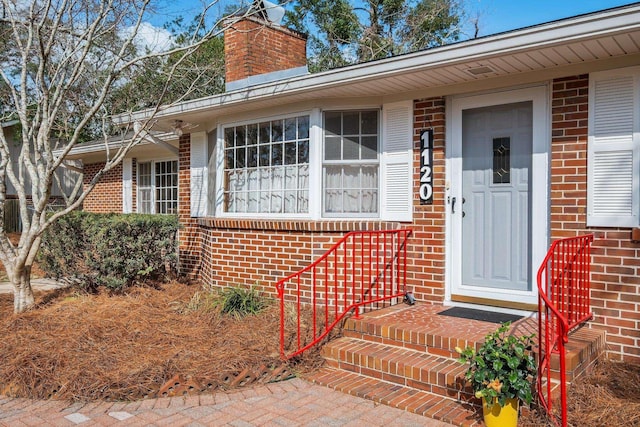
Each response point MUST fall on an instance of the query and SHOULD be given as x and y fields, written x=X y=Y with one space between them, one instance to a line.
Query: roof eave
x=533 y=38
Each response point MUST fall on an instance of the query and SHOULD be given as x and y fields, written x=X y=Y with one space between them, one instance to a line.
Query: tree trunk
x=22 y=292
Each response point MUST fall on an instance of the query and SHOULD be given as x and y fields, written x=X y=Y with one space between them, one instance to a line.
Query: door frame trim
x=539 y=96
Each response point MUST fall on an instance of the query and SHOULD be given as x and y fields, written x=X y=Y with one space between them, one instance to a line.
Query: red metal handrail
x=563 y=304
x=363 y=271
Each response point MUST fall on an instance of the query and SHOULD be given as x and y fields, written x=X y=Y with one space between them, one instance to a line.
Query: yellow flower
x=496 y=385
x=458 y=349
x=478 y=394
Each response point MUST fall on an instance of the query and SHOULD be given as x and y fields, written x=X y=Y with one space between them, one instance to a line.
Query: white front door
x=497 y=197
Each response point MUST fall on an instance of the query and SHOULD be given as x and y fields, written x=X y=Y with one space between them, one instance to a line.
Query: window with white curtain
x=158 y=187
x=350 y=163
x=266 y=167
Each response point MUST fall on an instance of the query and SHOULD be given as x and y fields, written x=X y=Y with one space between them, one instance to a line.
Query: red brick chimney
x=254 y=46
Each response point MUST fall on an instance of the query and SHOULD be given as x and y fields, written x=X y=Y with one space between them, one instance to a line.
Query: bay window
x=325 y=164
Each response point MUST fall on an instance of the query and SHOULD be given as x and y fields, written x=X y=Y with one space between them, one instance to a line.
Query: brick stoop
x=404 y=356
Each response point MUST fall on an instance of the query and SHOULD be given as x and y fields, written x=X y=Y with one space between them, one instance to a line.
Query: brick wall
x=107 y=194
x=616 y=260
x=427 y=249
x=258 y=253
x=189 y=236
x=252 y=47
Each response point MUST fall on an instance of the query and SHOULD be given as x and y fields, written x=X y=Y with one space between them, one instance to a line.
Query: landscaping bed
x=128 y=346
x=170 y=340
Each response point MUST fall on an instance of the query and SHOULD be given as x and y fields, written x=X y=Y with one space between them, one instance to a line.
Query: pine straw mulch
x=122 y=347
x=608 y=396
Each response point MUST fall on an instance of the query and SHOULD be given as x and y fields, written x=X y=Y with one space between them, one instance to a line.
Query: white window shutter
x=396 y=162
x=199 y=180
x=614 y=150
x=127 y=187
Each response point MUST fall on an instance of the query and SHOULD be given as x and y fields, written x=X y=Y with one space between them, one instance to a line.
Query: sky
x=503 y=15
x=495 y=15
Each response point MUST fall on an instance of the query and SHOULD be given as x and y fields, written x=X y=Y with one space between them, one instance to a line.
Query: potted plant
x=501 y=372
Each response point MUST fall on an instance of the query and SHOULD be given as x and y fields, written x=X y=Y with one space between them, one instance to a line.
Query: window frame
x=316 y=147
x=153 y=187
x=221 y=167
x=345 y=162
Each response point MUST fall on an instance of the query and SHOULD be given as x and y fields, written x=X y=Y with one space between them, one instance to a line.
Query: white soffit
x=583 y=39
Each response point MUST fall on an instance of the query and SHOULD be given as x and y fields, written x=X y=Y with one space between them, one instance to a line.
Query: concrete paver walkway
x=288 y=403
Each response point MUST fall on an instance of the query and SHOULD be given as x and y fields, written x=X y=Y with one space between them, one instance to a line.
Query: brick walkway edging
x=288 y=403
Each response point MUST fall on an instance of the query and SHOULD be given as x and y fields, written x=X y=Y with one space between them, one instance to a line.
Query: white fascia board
x=93 y=148
x=583 y=27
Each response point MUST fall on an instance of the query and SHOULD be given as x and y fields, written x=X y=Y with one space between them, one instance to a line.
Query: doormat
x=485 y=316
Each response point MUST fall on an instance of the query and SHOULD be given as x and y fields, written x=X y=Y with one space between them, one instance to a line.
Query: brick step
x=403 y=326
x=584 y=348
x=420 y=402
x=420 y=328
x=403 y=366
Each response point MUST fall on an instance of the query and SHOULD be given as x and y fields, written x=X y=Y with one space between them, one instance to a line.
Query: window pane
x=291 y=178
x=290 y=157
x=144 y=174
x=265 y=133
x=240 y=136
x=265 y=155
x=252 y=134
x=332 y=149
x=252 y=156
x=229 y=137
x=240 y=158
x=290 y=201
x=351 y=148
x=370 y=201
x=253 y=180
x=303 y=152
x=369 y=122
x=502 y=160
x=332 y=123
x=303 y=127
x=229 y=159
x=276 y=154
x=351 y=123
x=369 y=148
x=252 y=205
x=144 y=200
x=290 y=129
x=230 y=201
x=276 y=131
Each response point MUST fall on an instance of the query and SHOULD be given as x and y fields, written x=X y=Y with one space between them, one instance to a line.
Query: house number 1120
x=426 y=167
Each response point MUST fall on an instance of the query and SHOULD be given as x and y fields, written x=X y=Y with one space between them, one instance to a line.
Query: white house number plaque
x=426 y=167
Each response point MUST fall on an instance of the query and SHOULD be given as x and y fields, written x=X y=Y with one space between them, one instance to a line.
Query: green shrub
x=110 y=250
x=240 y=302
